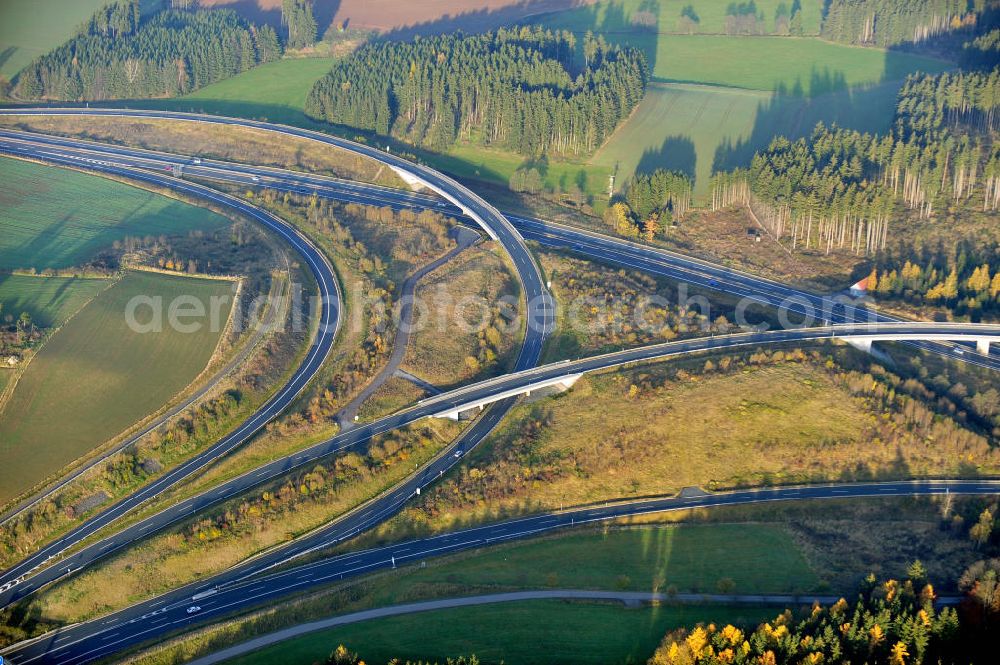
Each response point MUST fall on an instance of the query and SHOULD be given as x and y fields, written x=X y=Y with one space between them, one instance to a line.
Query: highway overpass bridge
x=561 y=376
x=539 y=302
x=647 y=258
x=25 y=581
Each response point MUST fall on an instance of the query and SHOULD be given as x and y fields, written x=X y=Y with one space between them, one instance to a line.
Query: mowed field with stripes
x=92 y=375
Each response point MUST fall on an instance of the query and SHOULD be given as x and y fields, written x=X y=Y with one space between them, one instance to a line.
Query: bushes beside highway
x=229 y=533
x=321 y=484
x=444 y=353
x=760 y=418
x=375 y=249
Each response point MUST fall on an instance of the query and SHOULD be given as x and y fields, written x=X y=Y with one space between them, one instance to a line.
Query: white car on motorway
x=194 y=609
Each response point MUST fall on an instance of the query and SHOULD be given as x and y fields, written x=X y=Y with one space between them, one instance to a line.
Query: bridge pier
x=560 y=386
x=983 y=346
x=472 y=408
x=862 y=344
x=461 y=414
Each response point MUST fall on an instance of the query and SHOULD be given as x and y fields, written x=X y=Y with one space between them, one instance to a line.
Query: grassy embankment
x=216 y=141
x=230 y=402
x=405 y=242
x=772 y=418
x=814 y=547
x=756 y=558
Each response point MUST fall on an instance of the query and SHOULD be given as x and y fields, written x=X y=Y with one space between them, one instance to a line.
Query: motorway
x=540 y=309
x=504 y=388
x=811 y=307
x=149 y=620
x=32 y=573
x=764 y=291
x=328 y=325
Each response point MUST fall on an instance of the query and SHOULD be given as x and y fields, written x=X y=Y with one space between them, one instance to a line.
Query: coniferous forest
x=118 y=55
x=839 y=188
x=522 y=89
x=891 y=22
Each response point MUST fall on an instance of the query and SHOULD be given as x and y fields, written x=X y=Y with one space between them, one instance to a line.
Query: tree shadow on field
x=6 y=55
x=607 y=19
x=251 y=10
x=794 y=111
x=43 y=246
x=480 y=20
x=676 y=153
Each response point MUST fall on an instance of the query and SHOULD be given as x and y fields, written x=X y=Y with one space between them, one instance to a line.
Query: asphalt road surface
x=803 y=306
x=328 y=324
x=540 y=308
x=25 y=577
x=149 y=620
x=631 y=254
x=464 y=238
x=504 y=388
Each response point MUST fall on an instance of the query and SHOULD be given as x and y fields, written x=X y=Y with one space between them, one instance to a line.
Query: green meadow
x=96 y=376
x=619 y=16
x=30 y=28
x=691 y=558
x=799 y=66
x=94 y=372
x=546 y=632
x=276 y=92
x=58 y=218
x=49 y=300
x=754 y=558
x=496 y=166
x=716 y=99
x=698 y=128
